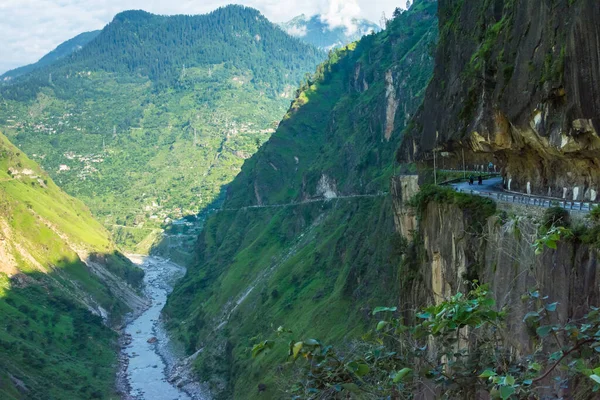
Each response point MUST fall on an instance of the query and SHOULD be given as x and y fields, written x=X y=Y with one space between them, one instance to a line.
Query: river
x=149 y=353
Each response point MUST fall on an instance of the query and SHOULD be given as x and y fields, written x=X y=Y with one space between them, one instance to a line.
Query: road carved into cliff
x=492 y=188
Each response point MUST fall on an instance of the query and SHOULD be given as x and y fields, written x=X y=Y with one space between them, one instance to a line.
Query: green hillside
x=53 y=342
x=151 y=118
x=315 y=266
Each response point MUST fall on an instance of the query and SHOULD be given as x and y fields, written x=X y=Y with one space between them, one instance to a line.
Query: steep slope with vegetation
x=62 y=282
x=518 y=83
x=63 y=50
x=306 y=236
x=151 y=118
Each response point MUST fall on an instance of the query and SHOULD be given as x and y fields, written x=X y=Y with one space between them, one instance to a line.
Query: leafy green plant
x=396 y=360
x=550 y=238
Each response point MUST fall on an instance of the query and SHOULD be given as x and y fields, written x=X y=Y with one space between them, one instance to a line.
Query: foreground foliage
x=457 y=350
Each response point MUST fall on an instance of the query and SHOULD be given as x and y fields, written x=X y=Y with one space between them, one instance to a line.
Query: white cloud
x=298 y=31
x=31 y=28
x=342 y=13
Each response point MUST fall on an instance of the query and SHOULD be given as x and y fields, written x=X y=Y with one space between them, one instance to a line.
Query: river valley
x=150 y=357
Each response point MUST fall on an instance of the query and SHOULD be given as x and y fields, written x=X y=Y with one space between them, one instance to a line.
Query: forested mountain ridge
x=61 y=51
x=308 y=261
x=149 y=120
x=62 y=284
x=316 y=31
x=162 y=47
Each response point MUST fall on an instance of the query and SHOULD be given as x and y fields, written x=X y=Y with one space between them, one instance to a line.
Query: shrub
x=476 y=208
x=595 y=214
x=556 y=216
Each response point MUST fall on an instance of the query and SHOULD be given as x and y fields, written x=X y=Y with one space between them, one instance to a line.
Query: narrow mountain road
x=493 y=185
x=492 y=188
x=298 y=203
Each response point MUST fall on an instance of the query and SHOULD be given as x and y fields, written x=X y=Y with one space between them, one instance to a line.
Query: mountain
x=316 y=31
x=306 y=237
x=63 y=284
x=150 y=119
x=62 y=51
x=322 y=234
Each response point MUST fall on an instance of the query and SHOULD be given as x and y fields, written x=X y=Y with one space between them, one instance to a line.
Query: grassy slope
x=49 y=340
x=128 y=138
x=316 y=268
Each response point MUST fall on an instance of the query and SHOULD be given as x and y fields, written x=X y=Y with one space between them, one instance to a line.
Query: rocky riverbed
x=153 y=368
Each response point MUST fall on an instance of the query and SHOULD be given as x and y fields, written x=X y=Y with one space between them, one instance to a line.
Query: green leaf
x=312 y=342
x=506 y=392
x=536 y=367
x=551 y=244
x=530 y=314
x=401 y=374
x=260 y=347
x=595 y=378
x=378 y=310
x=527 y=382
x=297 y=347
x=424 y=315
x=351 y=387
x=544 y=331
x=362 y=370
x=551 y=307
x=257 y=349
x=381 y=325
x=488 y=373
x=587 y=372
x=509 y=380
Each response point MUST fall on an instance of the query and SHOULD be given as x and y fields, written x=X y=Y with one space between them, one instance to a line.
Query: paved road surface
x=492 y=188
x=493 y=185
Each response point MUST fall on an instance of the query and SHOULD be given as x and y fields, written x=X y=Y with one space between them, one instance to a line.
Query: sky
x=31 y=28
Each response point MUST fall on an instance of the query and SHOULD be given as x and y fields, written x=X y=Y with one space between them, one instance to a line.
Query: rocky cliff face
x=517 y=82
x=453 y=249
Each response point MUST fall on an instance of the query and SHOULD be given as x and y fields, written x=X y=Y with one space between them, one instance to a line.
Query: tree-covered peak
x=162 y=47
x=133 y=16
x=237 y=8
